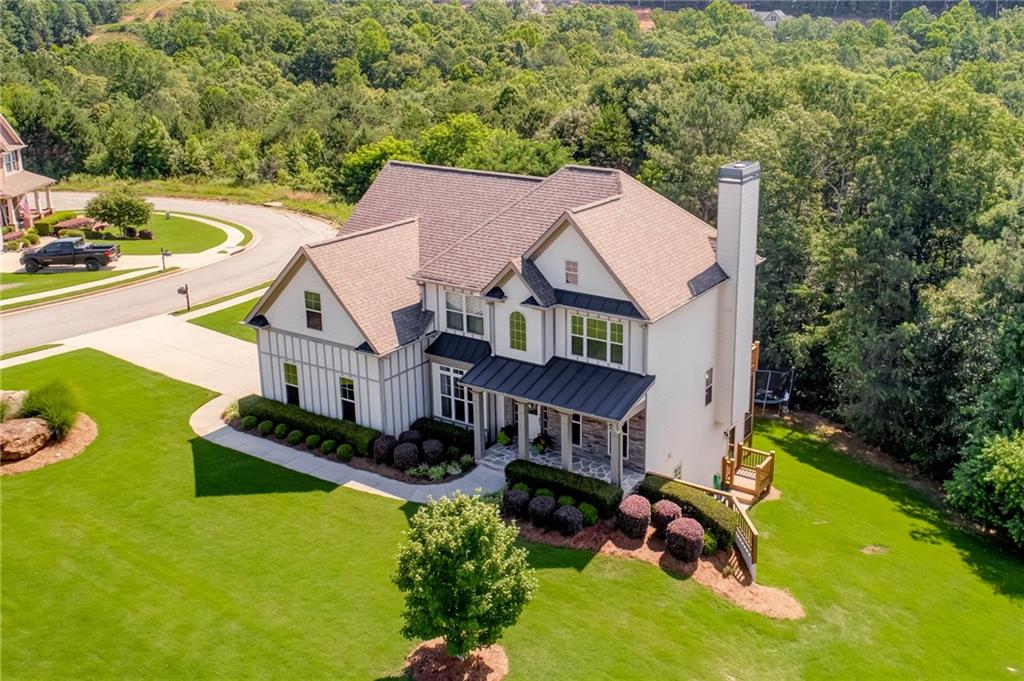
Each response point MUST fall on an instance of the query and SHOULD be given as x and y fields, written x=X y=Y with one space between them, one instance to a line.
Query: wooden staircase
x=748 y=471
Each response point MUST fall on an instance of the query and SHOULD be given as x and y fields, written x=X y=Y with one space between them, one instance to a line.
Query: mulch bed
x=360 y=462
x=74 y=443
x=709 y=571
x=431 y=662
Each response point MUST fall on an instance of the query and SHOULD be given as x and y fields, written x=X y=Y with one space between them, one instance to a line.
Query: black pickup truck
x=70 y=251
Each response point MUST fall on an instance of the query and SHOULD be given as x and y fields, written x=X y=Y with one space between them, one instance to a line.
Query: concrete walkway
x=206 y=422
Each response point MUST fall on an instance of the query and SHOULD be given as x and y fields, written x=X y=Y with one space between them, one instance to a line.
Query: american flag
x=26 y=212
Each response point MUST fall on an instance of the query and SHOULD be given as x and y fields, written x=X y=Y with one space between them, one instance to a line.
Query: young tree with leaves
x=120 y=208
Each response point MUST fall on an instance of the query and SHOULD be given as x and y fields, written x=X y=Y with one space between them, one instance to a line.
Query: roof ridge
x=595 y=204
x=469 y=171
x=361 y=232
x=486 y=222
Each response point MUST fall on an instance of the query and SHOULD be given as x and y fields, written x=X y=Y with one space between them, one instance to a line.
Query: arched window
x=517 y=331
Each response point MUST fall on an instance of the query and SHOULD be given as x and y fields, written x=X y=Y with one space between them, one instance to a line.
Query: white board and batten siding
x=391 y=391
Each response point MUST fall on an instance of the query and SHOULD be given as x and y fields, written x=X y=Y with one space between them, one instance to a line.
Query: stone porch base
x=498 y=456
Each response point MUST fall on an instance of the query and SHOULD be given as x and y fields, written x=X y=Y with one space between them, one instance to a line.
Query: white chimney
x=739 y=187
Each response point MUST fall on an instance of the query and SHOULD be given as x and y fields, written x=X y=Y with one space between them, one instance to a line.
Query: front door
x=532 y=421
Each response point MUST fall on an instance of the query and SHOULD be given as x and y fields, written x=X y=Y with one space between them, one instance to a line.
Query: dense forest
x=893 y=157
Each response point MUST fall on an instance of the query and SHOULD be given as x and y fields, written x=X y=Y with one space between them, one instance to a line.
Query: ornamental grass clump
x=53 y=403
x=633 y=516
x=540 y=510
x=463 y=576
x=684 y=539
x=662 y=513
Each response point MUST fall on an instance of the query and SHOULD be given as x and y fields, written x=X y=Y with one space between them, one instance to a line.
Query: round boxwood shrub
x=345 y=452
x=265 y=428
x=568 y=521
x=434 y=452
x=455 y=454
x=249 y=422
x=522 y=487
x=295 y=437
x=313 y=441
x=633 y=516
x=413 y=436
x=566 y=500
x=328 y=447
x=710 y=544
x=406 y=455
x=384 y=449
x=590 y=514
x=541 y=509
x=662 y=513
x=514 y=502
x=684 y=538
x=281 y=431
x=544 y=492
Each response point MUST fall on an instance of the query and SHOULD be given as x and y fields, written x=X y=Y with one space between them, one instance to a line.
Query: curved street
x=277 y=234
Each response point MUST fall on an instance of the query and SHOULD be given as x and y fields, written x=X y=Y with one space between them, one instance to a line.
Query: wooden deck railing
x=749 y=463
x=745 y=537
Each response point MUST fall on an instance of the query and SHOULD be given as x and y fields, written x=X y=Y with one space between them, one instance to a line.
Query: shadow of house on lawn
x=997 y=566
x=223 y=472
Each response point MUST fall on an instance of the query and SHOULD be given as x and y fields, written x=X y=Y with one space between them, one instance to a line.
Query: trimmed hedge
x=513 y=503
x=541 y=509
x=384 y=449
x=568 y=521
x=359 y=437
x=662 y=513
x=312 y=441
x=328 y=447
x=452 y=436
x=633 y=516
x=589 y=514
x=434 y=452
x=604 y=496
x=249 y=422
x=281 y=431
x=345 y=452
x=265 y=428
x=684 y=539
x=295 y=437
x=717 y=518
x=407 y=455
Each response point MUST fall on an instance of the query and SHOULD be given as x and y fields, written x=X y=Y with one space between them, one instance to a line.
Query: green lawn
x=15 y=285
x=157 y=555
x=221 y=299
x=228 y=321
x=176 y=234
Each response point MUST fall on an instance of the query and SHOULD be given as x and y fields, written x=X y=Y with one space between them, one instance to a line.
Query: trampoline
x=773 y=388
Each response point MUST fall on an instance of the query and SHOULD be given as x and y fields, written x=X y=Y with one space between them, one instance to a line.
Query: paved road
x=280 y=233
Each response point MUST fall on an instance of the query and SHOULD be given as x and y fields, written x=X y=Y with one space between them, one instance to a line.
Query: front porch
x=498 y=456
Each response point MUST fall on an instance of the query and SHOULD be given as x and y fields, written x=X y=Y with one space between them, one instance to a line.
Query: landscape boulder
x=12 y=400
x=20 y=438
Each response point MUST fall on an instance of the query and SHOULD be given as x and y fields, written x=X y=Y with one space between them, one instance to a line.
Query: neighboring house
x=770 y=19
x=16 y=183
x=583 y=304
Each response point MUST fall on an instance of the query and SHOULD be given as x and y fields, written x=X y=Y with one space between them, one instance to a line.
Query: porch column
x=615 y=452
x=49 y=200
x=35 y=197
x=11 y=218
x=524 y=438
x=479 y=425
x=566 y=438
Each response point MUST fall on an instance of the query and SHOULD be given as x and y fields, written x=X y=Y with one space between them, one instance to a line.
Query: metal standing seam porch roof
x=562 y=383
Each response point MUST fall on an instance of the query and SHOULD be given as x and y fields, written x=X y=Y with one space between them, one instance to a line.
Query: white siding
x=632 y=339
x=538 y=348
x=405 y=388
x=434 y=300
x=680 y=428
x=288 y=311
x=594 y=277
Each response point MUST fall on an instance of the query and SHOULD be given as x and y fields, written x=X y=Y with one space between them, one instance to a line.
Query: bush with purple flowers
x=662 y=513
x=684 y=538
x=633 y=516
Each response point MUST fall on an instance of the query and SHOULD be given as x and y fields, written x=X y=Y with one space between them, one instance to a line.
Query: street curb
x=90 y=294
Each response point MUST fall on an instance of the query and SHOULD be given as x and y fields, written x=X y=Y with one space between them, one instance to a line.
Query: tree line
x=892 y=210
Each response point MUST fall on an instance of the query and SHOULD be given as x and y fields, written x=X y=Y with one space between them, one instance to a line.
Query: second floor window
x=596 y=339
x=464 y=313
x=709 y=384
x=572 y=272
x=348 y=398
x=10 y=161
x=517 y=331
x=314 y=316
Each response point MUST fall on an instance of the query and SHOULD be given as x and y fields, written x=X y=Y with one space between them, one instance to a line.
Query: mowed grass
x=176 y=234
x=229 y=321
x=158 y=555
x=17 y=284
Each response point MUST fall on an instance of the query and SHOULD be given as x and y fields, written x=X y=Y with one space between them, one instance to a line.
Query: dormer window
x=314 y=315
x=464 y=313
x=10 y=161
x=572 y=272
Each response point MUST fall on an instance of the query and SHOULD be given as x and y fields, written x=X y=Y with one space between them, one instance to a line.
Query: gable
x=566 y=243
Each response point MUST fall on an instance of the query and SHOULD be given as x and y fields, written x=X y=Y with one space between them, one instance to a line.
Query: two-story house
x=584 y=305
x=16 y=183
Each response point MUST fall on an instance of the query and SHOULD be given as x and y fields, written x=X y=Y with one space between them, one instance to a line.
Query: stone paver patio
x=498 y=456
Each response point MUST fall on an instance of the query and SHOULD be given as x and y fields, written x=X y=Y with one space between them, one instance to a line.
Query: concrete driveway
x=279 y=234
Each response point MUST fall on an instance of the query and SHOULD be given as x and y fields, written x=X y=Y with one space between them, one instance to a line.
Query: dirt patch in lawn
x=723 y=572
x=431 y=662
x=74 y=443
x=874 y=549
